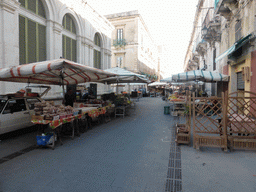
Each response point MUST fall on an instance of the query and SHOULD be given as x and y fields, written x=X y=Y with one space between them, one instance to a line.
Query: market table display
x=178 y=104
x=56 y=116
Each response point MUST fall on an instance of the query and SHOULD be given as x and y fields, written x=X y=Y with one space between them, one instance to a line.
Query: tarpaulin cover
x=200 y=75
x=157 y=84
x=124 y=76
x=54 y=72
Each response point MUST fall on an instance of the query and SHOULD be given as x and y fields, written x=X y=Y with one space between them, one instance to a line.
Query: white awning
x=124 y=76
x=200 y=75
x=157 y=84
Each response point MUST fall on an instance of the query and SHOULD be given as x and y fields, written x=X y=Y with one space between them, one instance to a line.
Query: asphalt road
x=126 y=154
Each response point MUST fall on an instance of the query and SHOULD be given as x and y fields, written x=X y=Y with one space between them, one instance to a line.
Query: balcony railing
x=225 y=7
x=119 y=42
x=200 y=45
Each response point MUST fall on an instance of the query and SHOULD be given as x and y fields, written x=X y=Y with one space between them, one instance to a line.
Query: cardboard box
x=37 y=117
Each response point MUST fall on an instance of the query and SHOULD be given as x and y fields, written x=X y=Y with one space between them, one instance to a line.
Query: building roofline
x=130 y=14
x=197 y=14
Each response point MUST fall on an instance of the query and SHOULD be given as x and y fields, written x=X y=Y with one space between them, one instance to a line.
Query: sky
x=170 y=23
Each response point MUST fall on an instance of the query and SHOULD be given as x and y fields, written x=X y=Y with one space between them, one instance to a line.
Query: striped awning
x=234 y=47
x=200 y=75
x=54 y=72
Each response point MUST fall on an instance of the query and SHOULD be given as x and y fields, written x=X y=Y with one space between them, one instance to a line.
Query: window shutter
x=42 y=42
x=238 y=30
x=94 y=58
x=68 y=23
x=73 y=27
x=68 y=48
x=63 y=46
x=41 y=11
x=73 y=50
x=240 y=81
x=31 y=41
x=22 y=2
x=64 y=22
x=32 y=5
x=22 y=40
x=99 y=59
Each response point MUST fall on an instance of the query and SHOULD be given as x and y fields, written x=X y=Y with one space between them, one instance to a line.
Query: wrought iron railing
x=119 y=42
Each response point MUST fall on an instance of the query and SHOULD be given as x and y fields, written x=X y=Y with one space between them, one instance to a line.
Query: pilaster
x=9 y=33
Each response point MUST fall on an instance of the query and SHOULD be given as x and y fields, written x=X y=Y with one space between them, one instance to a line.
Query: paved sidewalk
x=215 y=170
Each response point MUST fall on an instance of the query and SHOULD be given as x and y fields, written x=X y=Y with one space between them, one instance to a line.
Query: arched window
x=69 y=38
x=97 y=53
x=32 y=34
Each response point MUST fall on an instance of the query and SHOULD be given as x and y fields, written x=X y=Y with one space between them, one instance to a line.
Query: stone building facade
x=132 y=45
x=38 y=30
x=223 y=40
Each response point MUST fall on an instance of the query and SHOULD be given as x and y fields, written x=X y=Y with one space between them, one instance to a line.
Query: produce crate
x=37 y=117
x=182 y=134
x=174 y=113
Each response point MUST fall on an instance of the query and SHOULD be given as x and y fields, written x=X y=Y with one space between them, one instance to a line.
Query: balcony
x=200 y=45
x=226 y=7
x=211 y=27
x=119 y=43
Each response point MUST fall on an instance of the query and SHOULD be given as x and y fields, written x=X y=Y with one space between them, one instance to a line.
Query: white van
x=16 y=112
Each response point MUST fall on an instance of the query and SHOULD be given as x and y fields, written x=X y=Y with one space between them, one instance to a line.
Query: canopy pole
x=117 y=88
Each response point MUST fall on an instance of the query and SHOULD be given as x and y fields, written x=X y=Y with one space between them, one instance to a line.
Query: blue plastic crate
x=43 y=140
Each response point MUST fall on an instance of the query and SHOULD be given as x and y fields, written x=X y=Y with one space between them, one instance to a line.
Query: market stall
x=205 y=111
x=56 y=72
x=124 y=76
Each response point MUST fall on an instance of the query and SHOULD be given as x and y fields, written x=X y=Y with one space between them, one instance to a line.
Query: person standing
x=70 y=98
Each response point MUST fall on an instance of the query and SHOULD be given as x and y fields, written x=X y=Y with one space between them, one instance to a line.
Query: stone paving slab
x=215 y=170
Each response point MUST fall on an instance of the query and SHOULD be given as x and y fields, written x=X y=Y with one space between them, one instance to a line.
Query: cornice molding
x=9 y=5
x=57 y=28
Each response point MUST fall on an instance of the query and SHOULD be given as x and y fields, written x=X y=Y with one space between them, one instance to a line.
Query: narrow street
x=126 y=154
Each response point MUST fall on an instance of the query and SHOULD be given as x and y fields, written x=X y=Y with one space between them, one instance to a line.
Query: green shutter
x=42 y=42
x=22 y=40
x=68 y=48
x=41 y=11
x=99 y=58
x=64 y=22
x=74 y=50
x=63 y=46
x=32 y=5
x=73 y=27
x=97 y=40
x=94 y=58
x=22 y=2
x=32 y=41
x=68 y=23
